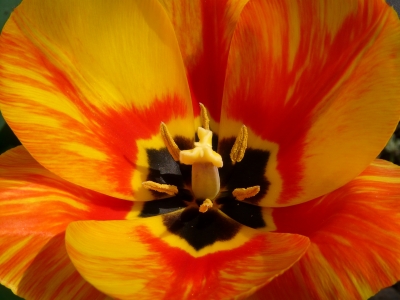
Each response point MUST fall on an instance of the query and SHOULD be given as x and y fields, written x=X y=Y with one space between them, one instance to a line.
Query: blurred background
x=8 y=140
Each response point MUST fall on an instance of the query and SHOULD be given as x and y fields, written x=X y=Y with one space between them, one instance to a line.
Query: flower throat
x=205 y=163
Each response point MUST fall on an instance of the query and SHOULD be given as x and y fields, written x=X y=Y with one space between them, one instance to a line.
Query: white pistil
x=205 y=180
x=205 y=163
x=202 y=151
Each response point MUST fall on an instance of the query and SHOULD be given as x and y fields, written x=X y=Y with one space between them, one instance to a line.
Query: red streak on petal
x=51 y=213
x=112 y=131
x=120 y=129
x=261 y=105
x=203 y=274
x=50 y=264
x=206 y=77
x=354 y=236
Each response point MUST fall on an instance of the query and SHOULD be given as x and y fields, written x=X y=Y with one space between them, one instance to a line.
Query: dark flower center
x=203 y=209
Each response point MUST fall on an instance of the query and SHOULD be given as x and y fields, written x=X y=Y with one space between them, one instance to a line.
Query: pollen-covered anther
x=244 y=193
x=240 y=145
x=162 y=188
x=207 y=204
x=204 y=119
x=169 y=142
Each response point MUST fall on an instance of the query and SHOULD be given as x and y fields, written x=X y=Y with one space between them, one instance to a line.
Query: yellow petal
x=35 y=208
x=141 y=259
x=317 y=85
x=84 y=83
x=355 y=240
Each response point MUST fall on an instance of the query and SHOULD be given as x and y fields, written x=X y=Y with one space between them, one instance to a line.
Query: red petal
x=35 y=208
x=317 y=85
x=204 y=31
x=355 y=240
x=140 y=259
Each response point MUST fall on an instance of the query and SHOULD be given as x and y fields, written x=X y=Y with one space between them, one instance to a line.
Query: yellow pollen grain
x=205 y=206
x=162 y=188
x=241 y=194
x=204 y=119
x=169 y=142
x=240 y=145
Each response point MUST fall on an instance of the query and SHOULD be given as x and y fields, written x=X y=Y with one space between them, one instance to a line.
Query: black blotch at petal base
x=201 y=229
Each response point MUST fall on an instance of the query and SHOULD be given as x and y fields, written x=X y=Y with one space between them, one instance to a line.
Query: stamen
x=240 y=145
x=169 y=142
x=204 y=119
x=162 y=188
x=205 y=206
x=241 y=194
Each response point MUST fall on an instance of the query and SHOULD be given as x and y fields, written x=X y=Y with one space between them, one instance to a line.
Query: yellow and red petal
x=355 y=240
x=140 y=259
x=36 y=206
x=317 y=85
x=85 y=84
x=204 y=31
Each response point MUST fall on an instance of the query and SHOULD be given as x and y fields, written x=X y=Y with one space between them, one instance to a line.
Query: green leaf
x=6 y=7
x=6 y=294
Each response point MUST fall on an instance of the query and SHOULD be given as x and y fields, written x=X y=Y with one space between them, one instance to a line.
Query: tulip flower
x=199 y=149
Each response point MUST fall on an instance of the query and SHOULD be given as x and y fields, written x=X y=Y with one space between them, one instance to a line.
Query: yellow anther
x=240 y=145
x=204 y=119
x=162 y=188
x=242 y=194
x=205 y=206
x=169 y=142
x=202 y=152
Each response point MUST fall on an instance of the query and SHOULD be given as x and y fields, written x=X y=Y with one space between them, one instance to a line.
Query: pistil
x=205 y=163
